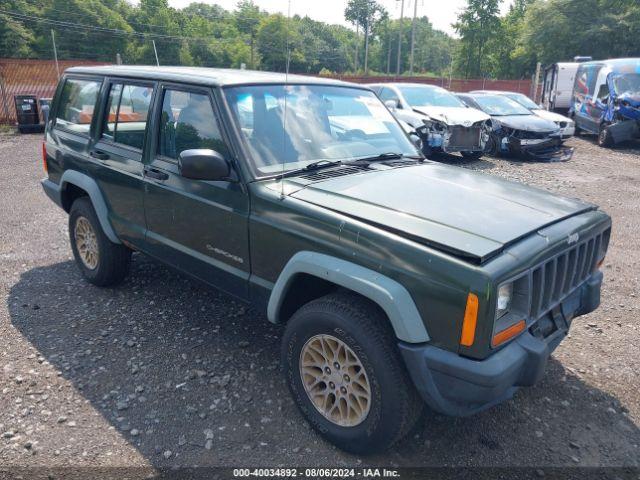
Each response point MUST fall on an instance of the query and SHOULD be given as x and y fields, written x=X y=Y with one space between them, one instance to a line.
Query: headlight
x=505 y=295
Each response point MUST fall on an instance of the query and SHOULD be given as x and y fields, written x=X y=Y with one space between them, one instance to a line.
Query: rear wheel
x=346 y=376
x=101 y=261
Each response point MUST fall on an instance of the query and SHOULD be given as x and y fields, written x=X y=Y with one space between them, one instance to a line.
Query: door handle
x=155 y=174
x=99 y=155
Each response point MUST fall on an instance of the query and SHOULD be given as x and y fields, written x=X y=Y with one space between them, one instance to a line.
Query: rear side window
x=187 y=121
x=76 y=105
x=127 y=113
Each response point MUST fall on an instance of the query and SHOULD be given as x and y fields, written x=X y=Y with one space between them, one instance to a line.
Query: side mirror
x=203 y=164
x=391 y=104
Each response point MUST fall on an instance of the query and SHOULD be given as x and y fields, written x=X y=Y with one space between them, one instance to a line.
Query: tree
x=278 y=44
x=248 y=18
x=476 y=25
x=365 y=14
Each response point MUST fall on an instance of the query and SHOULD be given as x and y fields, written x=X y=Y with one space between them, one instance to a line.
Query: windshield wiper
x=385 y=156
x=312 y=166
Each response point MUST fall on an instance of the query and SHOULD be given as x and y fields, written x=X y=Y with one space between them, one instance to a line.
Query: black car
x=517 y=131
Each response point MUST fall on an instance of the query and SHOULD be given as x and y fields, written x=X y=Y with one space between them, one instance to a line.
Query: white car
x=567 y=126
x=444 y=123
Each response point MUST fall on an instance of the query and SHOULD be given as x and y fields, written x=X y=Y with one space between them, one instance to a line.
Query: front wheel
x=605 y=139
x=101 y=261
x=346 y=376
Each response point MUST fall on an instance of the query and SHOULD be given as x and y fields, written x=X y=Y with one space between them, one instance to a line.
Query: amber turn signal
x=508 y=333
x=470 y=320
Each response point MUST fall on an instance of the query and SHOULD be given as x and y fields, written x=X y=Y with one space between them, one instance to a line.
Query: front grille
x=335 y=172
x=554 y=279
x=464 y=137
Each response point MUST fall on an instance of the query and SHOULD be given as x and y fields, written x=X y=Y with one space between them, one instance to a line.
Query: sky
x=441 y=13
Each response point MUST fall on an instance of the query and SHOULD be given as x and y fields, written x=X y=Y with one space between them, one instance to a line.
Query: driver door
x=198 y=226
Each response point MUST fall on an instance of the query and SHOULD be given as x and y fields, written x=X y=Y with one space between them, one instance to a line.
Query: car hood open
x=465 y=213
x=453 y=115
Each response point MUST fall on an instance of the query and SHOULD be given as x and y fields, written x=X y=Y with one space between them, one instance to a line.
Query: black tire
x=472 y=155
x=605 y=139
x=113 y=261
x=395 y=405
x=491 y=147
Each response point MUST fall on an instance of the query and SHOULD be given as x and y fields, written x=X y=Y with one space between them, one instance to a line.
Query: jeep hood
x=452 y=115
x=465 y=213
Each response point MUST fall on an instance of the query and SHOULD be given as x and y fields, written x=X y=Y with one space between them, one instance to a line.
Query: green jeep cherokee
x=398 y=279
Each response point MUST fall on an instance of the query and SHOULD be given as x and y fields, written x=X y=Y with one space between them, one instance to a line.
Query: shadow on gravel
x=460 y=161
x=175 y=366
x=630 y=147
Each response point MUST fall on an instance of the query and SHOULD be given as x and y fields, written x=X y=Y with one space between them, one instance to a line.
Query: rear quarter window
x=77 y=104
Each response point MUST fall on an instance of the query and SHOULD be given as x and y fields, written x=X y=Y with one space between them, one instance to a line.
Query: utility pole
x=400 y=37
x=388 y=51
x=355 y=59
x=55 y=52
x=413 y=34
x=536 y=82
x=156 y=52
x=366 y=41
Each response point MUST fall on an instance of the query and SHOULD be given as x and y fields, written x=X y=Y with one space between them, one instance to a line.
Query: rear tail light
x=44 y=157
x=470 y=319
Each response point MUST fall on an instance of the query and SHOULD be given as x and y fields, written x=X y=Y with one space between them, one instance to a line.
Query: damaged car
x=442 y=121
x=517 y=131
x=567 y=126
x=606 y=100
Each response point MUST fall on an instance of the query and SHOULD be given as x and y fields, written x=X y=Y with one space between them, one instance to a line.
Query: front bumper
x=459 y=386
x=568 y=131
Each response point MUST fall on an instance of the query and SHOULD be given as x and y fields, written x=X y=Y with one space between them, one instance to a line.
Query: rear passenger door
x=199 y=226
x=119 y=149
x=70 y=134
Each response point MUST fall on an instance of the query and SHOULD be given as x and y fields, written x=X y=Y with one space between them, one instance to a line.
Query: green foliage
x=490 y=45
x=477 y=25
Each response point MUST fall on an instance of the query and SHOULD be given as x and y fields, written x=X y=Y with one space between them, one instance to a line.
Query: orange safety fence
x=29 y=77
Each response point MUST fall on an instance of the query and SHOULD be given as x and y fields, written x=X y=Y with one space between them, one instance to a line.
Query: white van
x=558 y=86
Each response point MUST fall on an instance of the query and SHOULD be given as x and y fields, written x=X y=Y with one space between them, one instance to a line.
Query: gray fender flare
x=392 y=297
x=90 y=186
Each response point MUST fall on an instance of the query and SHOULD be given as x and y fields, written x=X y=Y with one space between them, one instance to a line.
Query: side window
x=76 y=105
x=127 y=112
x=187 y=121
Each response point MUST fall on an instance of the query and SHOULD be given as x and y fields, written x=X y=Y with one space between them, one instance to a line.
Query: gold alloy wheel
x=86 y=243
x=335 y=380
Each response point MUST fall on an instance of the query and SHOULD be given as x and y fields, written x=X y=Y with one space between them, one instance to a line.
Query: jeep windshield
x=498 y=105
x=289 y=127
x=523 y=100
x=429 y=96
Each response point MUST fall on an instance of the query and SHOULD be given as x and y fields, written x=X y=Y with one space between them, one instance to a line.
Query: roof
x=618 y=64
x=402 y=84
x=494 y=92
x=207 y=76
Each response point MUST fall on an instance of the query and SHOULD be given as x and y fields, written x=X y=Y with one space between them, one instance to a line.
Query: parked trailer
x=558 y=84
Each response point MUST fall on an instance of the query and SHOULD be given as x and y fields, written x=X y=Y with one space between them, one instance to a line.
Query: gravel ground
x=163 y=371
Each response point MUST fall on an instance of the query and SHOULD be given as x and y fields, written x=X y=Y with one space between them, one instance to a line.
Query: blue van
x=606 y=100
